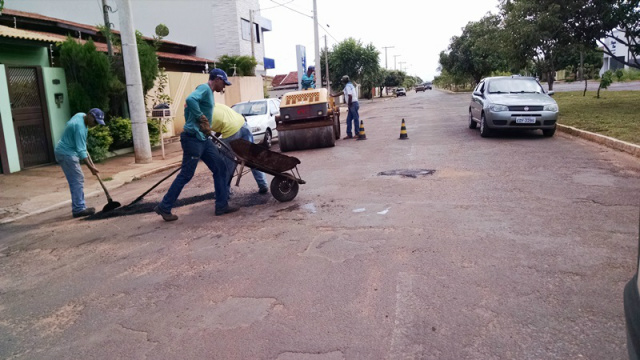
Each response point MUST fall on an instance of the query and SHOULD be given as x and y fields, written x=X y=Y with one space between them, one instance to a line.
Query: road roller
x=308 y=119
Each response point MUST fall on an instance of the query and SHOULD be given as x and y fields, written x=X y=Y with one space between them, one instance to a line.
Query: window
x=246 y=31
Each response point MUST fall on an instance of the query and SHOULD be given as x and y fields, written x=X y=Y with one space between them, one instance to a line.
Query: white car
x=261 y=118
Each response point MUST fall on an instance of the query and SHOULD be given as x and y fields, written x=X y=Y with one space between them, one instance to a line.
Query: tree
x=88 y=73
x=608 y=23
x=537 y=30
x=357 y=61
x=235 y=65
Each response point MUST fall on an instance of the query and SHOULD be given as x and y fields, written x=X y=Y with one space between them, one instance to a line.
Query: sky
x=418 y=30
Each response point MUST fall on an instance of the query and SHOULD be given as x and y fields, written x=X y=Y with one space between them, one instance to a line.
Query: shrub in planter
x=98 y=142
x=120 y=129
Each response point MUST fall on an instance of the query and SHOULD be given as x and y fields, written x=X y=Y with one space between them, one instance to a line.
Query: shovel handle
x=101 y=183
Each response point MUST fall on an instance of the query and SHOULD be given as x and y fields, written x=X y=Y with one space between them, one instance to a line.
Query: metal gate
x=33 y=134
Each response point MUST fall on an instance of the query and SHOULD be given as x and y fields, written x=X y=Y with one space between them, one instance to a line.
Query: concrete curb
x=607 y=141
x=93 y=194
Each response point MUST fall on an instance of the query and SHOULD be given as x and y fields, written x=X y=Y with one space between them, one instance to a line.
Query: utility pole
x=317 y=44
x=326 y=63
x=385 y=55
x=401 y=62
x=105 y=11
x=141 y=145
x=253 y=53
x=394 y=62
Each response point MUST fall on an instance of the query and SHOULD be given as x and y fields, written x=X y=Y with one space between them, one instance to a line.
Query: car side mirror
x=551 y=92
x=478 y=93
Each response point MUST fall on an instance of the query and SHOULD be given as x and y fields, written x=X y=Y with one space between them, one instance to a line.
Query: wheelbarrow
x=247 y=156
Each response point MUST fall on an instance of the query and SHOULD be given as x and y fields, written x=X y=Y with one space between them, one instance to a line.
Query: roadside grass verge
x=615 y=114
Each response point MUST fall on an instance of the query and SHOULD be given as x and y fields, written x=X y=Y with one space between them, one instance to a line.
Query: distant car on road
x=428 y=86
x=420 y=87
x=512 y=102
x=401 y=92
x=261 y=118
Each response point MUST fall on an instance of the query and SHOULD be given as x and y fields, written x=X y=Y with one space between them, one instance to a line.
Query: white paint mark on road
x=359 y=210
x=310 y=207
x=384 y=212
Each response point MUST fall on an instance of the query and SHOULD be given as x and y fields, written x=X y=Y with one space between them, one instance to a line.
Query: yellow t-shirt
x=226 y=121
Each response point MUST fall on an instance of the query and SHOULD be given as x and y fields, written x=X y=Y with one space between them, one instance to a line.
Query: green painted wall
x=58 y=116
x=20 y=55
x=7 y=123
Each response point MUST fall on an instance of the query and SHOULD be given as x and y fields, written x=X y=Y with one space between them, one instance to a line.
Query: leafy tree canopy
x=239 y=65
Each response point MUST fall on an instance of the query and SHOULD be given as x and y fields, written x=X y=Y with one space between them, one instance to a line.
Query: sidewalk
x=41 y=189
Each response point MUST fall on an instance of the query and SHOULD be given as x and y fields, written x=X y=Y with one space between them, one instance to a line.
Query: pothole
x=410 y=173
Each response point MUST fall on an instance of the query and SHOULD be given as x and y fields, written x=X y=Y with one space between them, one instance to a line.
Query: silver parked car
x=512 y=102
x=261 y=118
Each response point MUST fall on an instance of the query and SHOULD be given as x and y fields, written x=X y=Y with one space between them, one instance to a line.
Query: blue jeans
x=243 y=133
x=72 y=170
x=353 y=115
x=194 y=150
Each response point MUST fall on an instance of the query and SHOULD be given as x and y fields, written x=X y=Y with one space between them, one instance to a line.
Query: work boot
x=227 y=210
x=347 y=137
x=263 y=190
x=165 y=215
x=85 y=212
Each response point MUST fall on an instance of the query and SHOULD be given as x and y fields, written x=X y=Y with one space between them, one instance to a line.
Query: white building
x=621 y=52
x=215 y=27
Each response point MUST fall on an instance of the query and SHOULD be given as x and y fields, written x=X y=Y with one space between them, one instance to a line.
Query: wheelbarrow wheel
x=284 y=189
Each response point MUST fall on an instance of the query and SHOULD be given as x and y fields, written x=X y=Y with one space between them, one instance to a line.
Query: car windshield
x=514 y=86
x=400 y=89
x=251 y=108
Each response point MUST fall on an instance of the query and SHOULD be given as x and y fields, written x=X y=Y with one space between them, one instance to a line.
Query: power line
x=294 y=10
x=277 y=6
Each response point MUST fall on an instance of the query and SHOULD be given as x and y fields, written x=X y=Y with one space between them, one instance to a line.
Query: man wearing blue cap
x=196 y=146
x=308 y=80
x=72 y=148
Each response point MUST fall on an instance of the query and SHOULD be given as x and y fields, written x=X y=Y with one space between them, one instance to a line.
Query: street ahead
x=516 y=247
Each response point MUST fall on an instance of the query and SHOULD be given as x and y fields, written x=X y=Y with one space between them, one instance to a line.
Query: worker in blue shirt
x=308 y=80
x=70 y=150
x=196 y=146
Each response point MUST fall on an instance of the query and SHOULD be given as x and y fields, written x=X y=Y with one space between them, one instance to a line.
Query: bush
x=619 y=74
x=120 y=130
x=98 y=142
x=154 y=131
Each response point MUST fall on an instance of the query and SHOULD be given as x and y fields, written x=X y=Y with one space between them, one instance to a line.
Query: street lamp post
x=385 y=55
x=395 y=57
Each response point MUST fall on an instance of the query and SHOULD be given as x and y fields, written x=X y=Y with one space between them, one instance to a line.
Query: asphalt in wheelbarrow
x=261 y=158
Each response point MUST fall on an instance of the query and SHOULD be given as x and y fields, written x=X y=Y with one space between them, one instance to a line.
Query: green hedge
x=98 y=142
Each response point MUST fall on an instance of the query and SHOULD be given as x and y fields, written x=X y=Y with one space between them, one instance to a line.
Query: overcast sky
x=417 y=29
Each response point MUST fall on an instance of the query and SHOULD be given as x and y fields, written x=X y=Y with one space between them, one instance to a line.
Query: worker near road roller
x=351 y=98
x=308 y=80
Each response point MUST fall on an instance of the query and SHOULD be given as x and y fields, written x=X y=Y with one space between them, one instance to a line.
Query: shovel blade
x=111 y=205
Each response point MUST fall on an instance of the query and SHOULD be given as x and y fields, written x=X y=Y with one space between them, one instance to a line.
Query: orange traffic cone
x=361 y=134
x=403 y=132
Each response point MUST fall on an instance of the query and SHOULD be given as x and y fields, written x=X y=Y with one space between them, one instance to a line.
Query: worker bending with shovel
x=231 y=126
x=196 y=146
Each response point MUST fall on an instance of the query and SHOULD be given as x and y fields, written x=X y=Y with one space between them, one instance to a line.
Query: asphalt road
x=516 y=247
x=593 y=85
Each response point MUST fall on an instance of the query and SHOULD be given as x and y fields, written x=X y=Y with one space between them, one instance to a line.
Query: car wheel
x=268 y=140
x=548 y=132
x=484 y=129
x=472 y=123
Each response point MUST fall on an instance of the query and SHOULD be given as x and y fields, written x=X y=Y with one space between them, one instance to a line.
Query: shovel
x=111 y=205
x=153 y=187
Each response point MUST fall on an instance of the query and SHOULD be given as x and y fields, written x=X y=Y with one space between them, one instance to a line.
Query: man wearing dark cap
x=72 y=148
x=196 y=146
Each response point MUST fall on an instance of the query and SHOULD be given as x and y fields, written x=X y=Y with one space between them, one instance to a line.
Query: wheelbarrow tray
x=263 y=159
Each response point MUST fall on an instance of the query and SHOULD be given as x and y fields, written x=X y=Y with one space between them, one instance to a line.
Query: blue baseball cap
x=219 y=73
x=311 y=68
x=98 y=115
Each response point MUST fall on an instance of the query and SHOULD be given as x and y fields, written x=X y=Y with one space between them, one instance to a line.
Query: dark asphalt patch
x=411 y=173
x=242 y=200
